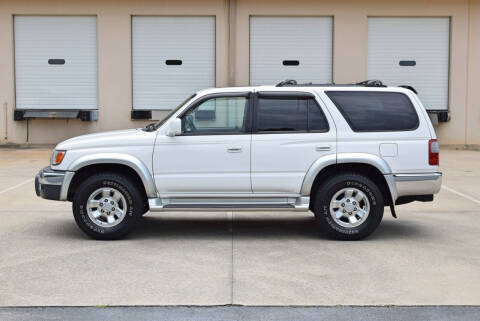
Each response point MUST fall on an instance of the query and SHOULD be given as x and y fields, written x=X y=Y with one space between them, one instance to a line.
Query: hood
x=114 y=138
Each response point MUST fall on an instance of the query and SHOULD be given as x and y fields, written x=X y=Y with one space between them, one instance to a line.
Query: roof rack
x=366 y=83
x=371 y=83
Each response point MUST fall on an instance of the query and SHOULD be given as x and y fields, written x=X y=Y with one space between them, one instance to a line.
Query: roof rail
x=366 y=83
x=287 y=82
x=371 y=83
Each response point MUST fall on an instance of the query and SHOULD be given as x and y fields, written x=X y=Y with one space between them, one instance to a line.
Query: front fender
x=116 y=158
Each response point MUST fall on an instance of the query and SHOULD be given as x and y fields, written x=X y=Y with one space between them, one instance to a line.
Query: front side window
x=290 y=114
x=374 y=111
x=216 y=116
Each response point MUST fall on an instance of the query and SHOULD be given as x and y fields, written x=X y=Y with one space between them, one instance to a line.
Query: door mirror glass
x=174 y=127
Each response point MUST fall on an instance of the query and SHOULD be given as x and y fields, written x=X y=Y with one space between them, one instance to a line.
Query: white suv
x=343 y=152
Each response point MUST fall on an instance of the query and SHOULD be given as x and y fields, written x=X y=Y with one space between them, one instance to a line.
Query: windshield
x=155 y=126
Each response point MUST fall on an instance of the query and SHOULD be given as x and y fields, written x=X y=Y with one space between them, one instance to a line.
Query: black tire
x=327 y=191
x=146 y=208
x=129 y=190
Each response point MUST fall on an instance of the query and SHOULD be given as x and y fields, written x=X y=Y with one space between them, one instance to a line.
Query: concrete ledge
x=461 y=146
x=217 y=313
x=26 y=146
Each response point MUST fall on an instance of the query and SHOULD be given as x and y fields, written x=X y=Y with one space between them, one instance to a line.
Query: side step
x=229 y=204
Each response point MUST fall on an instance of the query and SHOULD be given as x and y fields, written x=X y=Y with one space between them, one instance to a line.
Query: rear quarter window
x=375 y=111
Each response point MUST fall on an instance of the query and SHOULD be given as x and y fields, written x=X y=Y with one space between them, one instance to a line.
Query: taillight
x=433 y=152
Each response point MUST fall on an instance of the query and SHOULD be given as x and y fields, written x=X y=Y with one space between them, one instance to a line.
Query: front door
x=212 y=155
x=291 y=131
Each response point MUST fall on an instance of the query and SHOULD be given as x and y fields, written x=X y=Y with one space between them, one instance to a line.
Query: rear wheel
x=107 y=206
x=348 y=207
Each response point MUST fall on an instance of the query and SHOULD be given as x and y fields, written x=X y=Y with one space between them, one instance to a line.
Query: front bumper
x=52 y=184
x=417 y=184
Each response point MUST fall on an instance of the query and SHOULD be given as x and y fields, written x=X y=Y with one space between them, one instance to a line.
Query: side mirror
x=175 y=127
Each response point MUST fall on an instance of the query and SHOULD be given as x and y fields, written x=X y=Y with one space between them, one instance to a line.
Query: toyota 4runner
x=343 y=152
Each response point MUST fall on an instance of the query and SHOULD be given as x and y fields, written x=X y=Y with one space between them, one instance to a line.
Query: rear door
x=291 y=131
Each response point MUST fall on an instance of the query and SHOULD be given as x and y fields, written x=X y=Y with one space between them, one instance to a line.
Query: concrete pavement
x=429 y=256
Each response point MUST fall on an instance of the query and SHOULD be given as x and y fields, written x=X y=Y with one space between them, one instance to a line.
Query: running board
x=229 y=204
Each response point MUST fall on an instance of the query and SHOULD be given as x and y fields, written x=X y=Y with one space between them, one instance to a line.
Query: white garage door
x=411 y=51
x=172 y=58
x=55 y=62
x=297 y=48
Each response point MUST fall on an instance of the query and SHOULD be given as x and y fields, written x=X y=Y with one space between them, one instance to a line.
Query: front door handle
x=234 y=149
x=323 y=148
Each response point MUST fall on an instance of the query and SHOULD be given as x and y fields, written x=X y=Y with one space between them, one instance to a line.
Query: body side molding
x=123 y=159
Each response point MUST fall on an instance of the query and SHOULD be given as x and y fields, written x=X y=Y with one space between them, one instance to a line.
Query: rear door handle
x=234 y=149
x=322 y=148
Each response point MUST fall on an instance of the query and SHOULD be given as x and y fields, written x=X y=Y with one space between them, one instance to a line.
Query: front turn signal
x=58 y=156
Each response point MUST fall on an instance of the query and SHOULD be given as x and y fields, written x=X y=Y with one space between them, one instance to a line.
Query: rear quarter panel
x=404 y=151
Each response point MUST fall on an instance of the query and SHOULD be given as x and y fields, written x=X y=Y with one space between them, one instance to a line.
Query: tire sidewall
x=80 y=208
x=374 y=197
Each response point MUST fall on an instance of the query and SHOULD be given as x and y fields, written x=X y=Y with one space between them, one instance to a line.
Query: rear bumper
x=417 y=184
x=52 y=184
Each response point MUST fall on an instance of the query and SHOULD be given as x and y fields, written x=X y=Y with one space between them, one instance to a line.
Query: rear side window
x=374 y=111
x=290 y=114
x=316 y=118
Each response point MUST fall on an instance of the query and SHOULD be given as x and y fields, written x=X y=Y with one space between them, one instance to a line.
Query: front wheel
x=107 y=206
x=348 y=207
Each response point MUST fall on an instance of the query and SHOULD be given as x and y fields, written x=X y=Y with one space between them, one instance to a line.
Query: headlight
x=57 y=157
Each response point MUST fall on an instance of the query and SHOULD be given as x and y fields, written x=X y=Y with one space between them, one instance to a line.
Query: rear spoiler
x=409 y=88
x=436 y=116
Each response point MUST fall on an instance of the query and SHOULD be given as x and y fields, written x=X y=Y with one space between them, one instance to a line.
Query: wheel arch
x=369 y=165
x=121 y=163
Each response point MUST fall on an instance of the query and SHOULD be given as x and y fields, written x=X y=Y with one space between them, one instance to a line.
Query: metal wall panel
x=55 y=62
x=297 y=48
x=411 y=51
x=172 y=58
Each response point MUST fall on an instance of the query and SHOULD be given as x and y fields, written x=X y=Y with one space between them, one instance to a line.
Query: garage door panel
x=43 y=85
x=189 y=41
x=424 y=41
x=306 y=40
